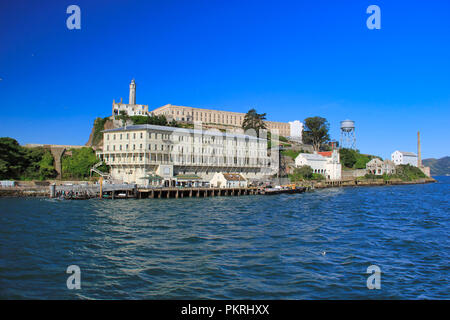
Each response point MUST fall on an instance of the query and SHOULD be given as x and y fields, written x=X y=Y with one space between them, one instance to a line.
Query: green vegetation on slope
x=403 y=172
x=17 y=162
x=353 y=159
x=290 y=153
x=155 y=120
x=438 y=167
x=79 y=164
x=99 y=125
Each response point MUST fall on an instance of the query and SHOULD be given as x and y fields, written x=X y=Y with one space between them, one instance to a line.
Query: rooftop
x=313 y=156
x=406 y=153
x=326 y=153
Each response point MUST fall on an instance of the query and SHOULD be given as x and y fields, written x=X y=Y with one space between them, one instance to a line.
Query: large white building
x=328 y=166
x=403 y=157
x=138 y=153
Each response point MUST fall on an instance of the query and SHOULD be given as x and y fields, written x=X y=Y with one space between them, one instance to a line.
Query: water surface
x=315 y=245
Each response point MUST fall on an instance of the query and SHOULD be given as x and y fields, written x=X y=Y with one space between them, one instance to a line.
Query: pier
x=125 y=191
x=194 y=192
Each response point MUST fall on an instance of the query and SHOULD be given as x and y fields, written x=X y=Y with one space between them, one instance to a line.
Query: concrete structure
x=379 y=167
x=132 y=109
x=222 y=119
x=330 y=167
x=403 y=157
x=228 y=180
x=139 y=151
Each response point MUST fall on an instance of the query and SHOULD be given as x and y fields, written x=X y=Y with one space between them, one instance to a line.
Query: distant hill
x=439 y=167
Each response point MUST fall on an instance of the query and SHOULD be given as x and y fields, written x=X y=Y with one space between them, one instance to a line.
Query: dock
x=127 y=191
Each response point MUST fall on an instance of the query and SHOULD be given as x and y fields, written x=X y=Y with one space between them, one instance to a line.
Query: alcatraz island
x=179 y=151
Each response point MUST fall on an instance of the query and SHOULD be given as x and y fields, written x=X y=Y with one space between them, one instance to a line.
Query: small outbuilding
x=378 y=167
x=228 y=180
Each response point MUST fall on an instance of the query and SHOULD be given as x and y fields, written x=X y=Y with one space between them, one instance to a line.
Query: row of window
x=181 y=138
x=181 y=149
x=185 y=159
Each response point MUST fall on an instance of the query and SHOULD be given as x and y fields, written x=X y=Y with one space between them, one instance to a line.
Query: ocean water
x=316 y=245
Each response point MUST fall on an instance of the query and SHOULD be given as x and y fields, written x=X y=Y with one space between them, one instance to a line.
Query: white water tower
x=348 y=137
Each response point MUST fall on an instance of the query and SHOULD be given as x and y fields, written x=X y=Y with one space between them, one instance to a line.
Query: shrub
x=348 y=157
x=78 y=165
x=302 y=173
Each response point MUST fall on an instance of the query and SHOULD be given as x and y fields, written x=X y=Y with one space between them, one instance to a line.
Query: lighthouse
x=132 y=99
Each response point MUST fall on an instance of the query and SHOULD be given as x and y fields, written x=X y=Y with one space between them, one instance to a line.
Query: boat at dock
x=281 y=190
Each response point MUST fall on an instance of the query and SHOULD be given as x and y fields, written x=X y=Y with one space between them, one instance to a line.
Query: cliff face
x=96 y=136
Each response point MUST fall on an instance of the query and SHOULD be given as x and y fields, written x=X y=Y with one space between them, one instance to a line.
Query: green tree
x=348 y=157
x=315 y=132
x=17 y=162
x=254 y=120
x=361 y=161
x=40 y=164
x=12 y=158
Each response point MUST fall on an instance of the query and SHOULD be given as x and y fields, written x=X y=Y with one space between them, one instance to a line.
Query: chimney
x=419 y=155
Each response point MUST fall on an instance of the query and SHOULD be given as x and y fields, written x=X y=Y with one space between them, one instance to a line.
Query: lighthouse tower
x=132 y=99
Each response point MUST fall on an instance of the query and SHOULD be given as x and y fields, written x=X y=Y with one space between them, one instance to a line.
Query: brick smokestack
x=419 y=155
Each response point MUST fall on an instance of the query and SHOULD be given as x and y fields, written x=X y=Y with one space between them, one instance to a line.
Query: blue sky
x=291 y=60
